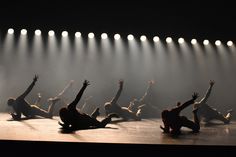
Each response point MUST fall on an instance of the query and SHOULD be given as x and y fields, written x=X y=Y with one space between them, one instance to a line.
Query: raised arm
x=114 y=100
x=72 y=106
x=29 y=88
x=66 y=88
x=205 y=98
x=189 y=102
x=150 y=83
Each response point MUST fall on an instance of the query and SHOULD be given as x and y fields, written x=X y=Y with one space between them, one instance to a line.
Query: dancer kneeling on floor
x=74 y=120
x=173 y=121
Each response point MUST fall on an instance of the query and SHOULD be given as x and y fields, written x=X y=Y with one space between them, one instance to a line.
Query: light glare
x=104 y=36
x=130 y=37
x=218 y=43
x=64 y=33
x=91 y=35
x=181 y=40
x=37 y=32
x=51 y=33
x=156 y=39
x=117 y=36
x=77 y=34
x=230 y=43
x=194 y=41
x=168 y=39
x=10 y=31
x=23 y=32
x=206 y=42
x=143 y=38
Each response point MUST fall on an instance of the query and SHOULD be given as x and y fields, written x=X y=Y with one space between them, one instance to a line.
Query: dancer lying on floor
x=21 y=106
x=73 y=120
x=143 y=107
x=37 y=102
x=173 y=121
x=113 y=107
x=207 y=112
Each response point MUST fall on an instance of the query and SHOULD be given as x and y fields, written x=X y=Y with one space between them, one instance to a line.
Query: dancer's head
x=178 y=103
x=10 y=101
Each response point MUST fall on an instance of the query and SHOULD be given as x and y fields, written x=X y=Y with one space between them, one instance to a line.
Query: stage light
x=130 y=37
x=104 y=36
x=143 y=38
x=230 y=43
x=193 y=41
x=156 y=39
x=23 y=32
x=206 y=42
x=117 y=36
x=77 y=34
x=51 y=33
x=64 y=34
x=181 y=40
x=37 y=32
x=10 y=31
x=218 y=43
x=91 y=35
x=168 y=39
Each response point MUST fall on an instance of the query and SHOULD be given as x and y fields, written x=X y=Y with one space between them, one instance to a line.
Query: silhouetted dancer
x=56 y=97
x=143 y=107
x=21 y=106
x=113 y=107
x=173 y=121
x=74 y=120
x=207 y=112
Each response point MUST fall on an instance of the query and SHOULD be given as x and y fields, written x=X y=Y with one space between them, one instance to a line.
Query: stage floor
x=146 y=131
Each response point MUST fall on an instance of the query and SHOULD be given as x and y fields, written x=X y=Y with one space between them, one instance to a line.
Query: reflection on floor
x=134 y=132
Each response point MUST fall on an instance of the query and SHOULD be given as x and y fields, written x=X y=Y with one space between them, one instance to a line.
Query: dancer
x=39 y=96
x=123 y=112
x=21 y=106
x=173 y=121
x=143 y=107
x=207 y=112
x=73 y=120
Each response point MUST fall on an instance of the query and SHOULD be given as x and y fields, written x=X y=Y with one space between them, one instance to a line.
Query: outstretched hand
x=195 y=96
x=35 y=78
x=212 y=82
x=86 y=83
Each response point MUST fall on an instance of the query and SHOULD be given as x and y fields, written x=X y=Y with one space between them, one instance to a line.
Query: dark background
x=199 y=19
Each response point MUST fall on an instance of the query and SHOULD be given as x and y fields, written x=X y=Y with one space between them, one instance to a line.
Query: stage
x=132 y=136
x=146 y=131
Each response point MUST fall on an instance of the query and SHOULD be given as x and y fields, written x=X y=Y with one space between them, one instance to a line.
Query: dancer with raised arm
x=113 y=107
x=143 y=107
x=173 y=121
x=209 y=113
x=21 y=106
x=72 y=119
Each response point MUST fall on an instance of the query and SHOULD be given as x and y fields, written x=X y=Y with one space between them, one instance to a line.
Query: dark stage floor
x=134 y=132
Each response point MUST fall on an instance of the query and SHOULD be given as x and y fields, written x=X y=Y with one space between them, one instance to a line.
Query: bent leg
x=95 y=113
x=36 y=111
x=190 y=124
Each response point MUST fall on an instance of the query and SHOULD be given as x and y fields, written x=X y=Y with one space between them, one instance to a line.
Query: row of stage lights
x=117 y=37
